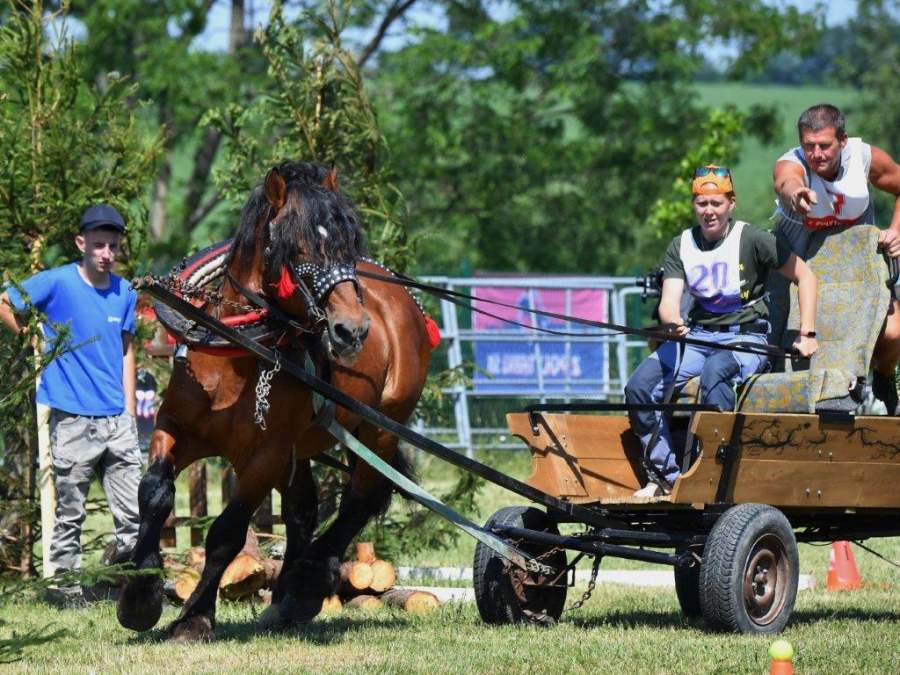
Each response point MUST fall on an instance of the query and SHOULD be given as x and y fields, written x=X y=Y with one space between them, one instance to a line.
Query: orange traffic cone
x=842 y=572
x=782 y=654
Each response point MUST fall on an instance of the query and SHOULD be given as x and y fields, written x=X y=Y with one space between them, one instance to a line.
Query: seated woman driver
x=723 y=263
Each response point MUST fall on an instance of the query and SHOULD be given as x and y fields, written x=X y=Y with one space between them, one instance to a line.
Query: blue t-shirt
x=87 y=379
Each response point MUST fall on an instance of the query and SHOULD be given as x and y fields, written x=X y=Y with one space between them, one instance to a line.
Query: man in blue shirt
x=90 y=387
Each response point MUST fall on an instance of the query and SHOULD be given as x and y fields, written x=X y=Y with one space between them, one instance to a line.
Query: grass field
x=620 y=629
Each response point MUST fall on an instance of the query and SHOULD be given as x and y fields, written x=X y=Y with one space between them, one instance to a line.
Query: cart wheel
x=505 y=594
x=687 y=588
x=748 y=579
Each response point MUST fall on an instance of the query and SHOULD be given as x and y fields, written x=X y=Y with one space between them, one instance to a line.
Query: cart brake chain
x=592 y=584
x=263 y=386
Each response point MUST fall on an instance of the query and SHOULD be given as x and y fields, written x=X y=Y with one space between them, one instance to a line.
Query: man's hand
x=802 y=200
x=806 y=346
x=889 y=242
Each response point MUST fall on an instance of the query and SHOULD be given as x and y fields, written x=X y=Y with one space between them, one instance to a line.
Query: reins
x=460 y=299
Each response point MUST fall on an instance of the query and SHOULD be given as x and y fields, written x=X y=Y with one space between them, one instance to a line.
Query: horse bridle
x=322 y=280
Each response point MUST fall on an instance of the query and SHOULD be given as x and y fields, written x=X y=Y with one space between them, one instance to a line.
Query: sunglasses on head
x=720 y=171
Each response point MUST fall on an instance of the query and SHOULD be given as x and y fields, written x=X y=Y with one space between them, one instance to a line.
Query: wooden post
x=167 y=536
x=197 y=489
x=229 y=485
x=45 y=481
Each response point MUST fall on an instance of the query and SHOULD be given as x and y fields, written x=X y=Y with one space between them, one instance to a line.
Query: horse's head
x=312 y=240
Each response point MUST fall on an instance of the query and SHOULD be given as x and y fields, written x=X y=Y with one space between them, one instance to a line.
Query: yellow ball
x=781 y=650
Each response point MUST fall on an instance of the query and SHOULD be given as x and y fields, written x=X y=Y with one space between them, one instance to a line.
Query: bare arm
x=670 y=307
x=6 y=314
x=791 y=187
x=797 y=271
x=884 y=173
x=129 y=373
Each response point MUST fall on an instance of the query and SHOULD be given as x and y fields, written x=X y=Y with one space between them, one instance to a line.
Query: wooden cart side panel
x=582 y=458
x=797 y=460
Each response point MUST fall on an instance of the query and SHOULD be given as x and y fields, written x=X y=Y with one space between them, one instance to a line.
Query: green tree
x=871 y=69
x=316 y=108
x=63 y=145
x=153 y=44
x=540 y=140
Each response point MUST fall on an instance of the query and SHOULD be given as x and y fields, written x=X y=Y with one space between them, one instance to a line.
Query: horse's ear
x=275 y=189
x=331 y=180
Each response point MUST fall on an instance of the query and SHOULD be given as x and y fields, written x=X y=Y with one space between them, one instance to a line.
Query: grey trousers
x=80 y=447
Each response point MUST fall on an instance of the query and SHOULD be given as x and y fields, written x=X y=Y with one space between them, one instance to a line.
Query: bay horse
x=298 y=233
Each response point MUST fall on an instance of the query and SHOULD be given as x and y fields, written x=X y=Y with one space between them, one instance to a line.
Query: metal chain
x=174 y=283
x=263 y=386
x=592 y=584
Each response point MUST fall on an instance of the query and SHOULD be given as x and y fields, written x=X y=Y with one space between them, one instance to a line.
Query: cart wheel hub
x=763 y=595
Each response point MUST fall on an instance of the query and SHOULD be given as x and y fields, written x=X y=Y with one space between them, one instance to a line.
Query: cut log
x=196 y=558
x=170 y=593
x=413 y=601
x=186 y=582
x=273 y=571
x=246 y=574
x=368 y=603
x=365 y=552
x=383 y=576
x=331 y=605
x=355 y=577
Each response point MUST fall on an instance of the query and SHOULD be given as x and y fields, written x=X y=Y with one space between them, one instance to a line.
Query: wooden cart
x=793 y=463
x=762 y=483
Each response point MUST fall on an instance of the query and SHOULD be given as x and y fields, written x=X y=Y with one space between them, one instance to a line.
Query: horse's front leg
x=141 y=596
x=314 y=577
x=300 y=512
x=224 y=541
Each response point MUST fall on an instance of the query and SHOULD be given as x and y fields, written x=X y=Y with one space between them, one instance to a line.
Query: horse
x=298 y=246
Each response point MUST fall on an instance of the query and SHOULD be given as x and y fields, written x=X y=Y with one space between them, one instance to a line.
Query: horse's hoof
x=195 y=628
x=271 y=619
x=140 y=604
x=309 y=583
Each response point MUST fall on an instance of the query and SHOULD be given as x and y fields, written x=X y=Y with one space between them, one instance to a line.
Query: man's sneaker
x=651 y=489
x=885 y=390
x=64 y=597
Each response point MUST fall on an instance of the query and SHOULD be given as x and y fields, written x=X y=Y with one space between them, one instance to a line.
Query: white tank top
x=843 y=201
x=714 y=277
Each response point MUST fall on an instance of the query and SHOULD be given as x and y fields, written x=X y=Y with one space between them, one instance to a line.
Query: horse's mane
x=309 y=206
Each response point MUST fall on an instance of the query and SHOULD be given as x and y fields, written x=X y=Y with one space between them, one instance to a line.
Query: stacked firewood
x=366 y=583
x=247 y=575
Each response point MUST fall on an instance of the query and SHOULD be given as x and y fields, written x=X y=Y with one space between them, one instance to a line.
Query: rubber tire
x=725 y=557
x=494 y=596
x=687 y=588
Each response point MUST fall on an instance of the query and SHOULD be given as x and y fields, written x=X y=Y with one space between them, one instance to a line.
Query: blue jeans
x=720 y=371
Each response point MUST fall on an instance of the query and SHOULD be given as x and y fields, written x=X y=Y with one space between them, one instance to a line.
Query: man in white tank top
x=824 y=182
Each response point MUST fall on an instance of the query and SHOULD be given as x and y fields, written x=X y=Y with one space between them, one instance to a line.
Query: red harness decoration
x=434 y=333
x=285 y=287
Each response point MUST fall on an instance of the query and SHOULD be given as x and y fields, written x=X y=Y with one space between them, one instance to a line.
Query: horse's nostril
x=341 y=334
x=364 y=333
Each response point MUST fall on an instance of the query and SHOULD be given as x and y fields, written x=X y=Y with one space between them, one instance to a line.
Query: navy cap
x=102 y=215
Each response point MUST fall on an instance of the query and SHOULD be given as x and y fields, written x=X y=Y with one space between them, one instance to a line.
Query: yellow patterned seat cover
x=853 y=301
